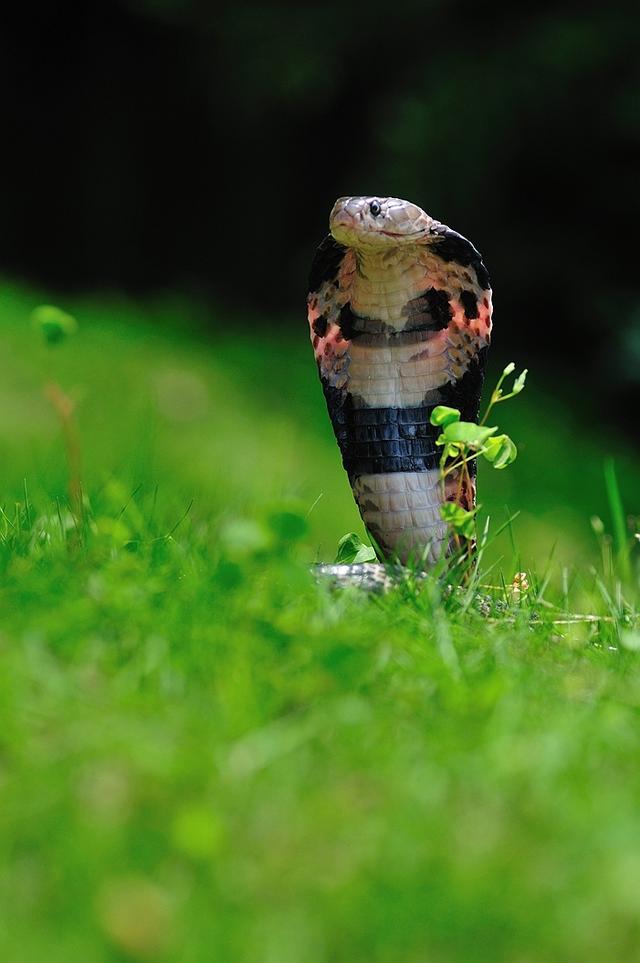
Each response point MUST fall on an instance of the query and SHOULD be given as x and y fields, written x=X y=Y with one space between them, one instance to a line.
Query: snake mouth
x=394 y=234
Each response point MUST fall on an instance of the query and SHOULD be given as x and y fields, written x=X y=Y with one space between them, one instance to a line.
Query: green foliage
x=498 y=395
x=460 y=438
x=207 y=756
x=464 y=441
x=441 y=416
x=500 y=451
x=462 y=522
x=352 y=550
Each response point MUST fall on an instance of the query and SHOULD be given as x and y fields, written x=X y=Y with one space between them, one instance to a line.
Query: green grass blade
x=618 y=518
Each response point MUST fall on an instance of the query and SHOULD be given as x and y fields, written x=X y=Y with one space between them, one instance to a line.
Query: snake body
x=399 y=309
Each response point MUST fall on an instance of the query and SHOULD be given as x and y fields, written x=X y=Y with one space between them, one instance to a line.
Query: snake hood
x=400 y=316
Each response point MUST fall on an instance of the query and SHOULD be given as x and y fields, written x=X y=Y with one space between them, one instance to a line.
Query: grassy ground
x=204 y=756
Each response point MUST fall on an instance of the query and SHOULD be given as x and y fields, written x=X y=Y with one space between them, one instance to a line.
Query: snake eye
x=375 y=208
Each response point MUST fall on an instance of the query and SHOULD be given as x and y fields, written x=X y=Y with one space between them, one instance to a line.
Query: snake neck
x=389 y=448
x=382 y=285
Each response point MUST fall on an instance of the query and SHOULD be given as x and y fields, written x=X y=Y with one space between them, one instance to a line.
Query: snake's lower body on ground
x=399 y=309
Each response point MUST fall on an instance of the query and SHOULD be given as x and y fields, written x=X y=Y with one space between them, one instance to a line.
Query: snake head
x=377 y=222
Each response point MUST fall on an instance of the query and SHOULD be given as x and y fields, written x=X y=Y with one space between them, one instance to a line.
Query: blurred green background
x=188 y=156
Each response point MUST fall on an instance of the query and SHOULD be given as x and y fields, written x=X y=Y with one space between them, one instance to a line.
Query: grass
x=205 y=756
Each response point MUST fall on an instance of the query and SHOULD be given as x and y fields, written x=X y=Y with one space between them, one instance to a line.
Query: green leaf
x=55 y=325
x=460 y=520
x=518 y=384
x=352 y=550
x=453 y=450
x=500 y=451
x=441 y=416
x=466 y=433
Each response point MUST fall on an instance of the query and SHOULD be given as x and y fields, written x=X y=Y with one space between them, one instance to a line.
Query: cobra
x=400 y=317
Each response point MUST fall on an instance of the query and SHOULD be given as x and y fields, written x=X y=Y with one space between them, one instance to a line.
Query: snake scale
x=399 y=309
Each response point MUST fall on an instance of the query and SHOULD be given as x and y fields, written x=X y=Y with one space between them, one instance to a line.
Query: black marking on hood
x=469 y=302
x=320 y=326
x=430 y=311
x=464 y=394
x=326 y=263
x=346 y=321
x=451 y=246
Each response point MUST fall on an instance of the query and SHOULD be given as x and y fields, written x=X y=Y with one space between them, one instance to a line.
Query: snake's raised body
x=399 y=308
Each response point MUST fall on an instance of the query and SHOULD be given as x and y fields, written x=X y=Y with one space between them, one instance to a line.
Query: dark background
x=165 y=145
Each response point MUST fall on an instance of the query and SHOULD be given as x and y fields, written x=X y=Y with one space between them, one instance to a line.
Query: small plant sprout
x=462 y=442
x=497 y=396
x=56 y=326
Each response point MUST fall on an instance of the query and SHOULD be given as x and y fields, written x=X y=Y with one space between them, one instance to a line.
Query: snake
x=400 y=317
